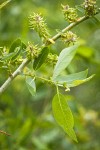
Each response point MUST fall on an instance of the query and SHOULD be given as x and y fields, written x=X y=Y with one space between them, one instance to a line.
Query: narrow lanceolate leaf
x=16 y=48
x=78 y=82
x=72 y=77
x=63 y=115
x=15 y=44
x=31 y=85
x=7 y=56
x=73 y=80
x=11 y=56
x=64 y=59
x=16 y=52
x=41 y=58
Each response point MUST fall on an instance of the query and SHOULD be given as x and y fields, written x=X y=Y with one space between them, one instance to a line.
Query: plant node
x=69 y=37
x=32 y=51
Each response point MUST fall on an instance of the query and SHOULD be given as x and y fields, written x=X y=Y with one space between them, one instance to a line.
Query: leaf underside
x=73 y=80
x=31 y=85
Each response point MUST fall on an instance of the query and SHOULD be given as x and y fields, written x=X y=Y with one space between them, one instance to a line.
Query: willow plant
x=19 y=55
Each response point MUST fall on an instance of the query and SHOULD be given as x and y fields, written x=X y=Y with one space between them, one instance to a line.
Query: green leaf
x=23 y=46
x=80 y=9
x=63 y=115
x=16 y=53
x=16 y=43
x=78 y=82
x=4 y=4
x=73 y=80
x=8 y=56
x=64 y=59
x=31 y=85
x=11 y=56
x=41 y=58
x=16 y=48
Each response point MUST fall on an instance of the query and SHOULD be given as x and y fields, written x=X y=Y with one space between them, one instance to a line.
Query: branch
x=57 y=36
x=26 y=61
x=4 y=133
x=16 y=73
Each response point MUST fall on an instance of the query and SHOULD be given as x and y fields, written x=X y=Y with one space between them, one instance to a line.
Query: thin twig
x=57 y=36
x=4 y=133
x=26 y=61
x=17 y=72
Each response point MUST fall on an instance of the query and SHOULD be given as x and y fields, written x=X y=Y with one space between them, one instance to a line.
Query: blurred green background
x=29 y=119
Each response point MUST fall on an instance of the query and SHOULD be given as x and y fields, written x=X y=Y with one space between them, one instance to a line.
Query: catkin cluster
x=90 y=7
x=37 y=23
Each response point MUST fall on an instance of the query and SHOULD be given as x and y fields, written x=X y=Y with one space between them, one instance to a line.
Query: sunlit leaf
x=4 y=4
x=78 y=82
x=16 y=48
x=72 y=77
x=41 y=58
x=73 y=80
x=64 y=59
x=63 y=115
x=31 y=85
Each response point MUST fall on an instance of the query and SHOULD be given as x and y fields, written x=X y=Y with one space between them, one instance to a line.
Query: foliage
x=58 y=71
x=4 y=4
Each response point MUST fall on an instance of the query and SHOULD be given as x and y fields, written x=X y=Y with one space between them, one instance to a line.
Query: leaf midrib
x=62 y=110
